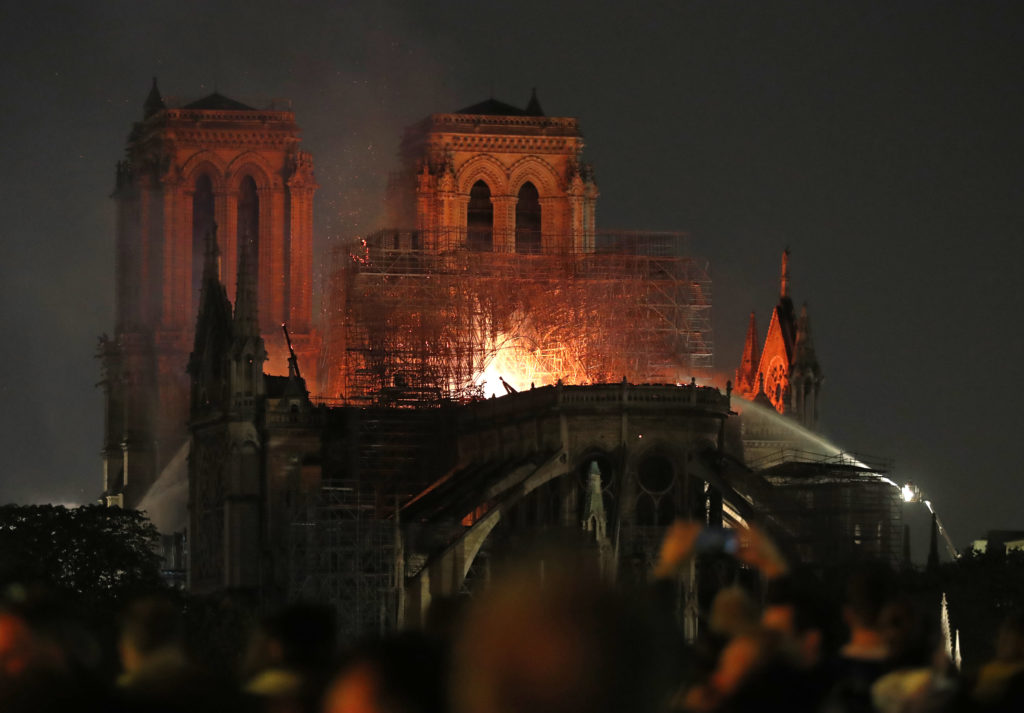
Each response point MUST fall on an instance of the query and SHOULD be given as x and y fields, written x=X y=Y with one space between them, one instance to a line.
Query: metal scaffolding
x=836 y=508
x=411 y=320
x=342 y=552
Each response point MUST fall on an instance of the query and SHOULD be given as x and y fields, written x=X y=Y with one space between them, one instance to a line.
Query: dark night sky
x=881 y=141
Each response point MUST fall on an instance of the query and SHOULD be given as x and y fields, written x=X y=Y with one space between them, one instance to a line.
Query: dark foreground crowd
x=550 y=638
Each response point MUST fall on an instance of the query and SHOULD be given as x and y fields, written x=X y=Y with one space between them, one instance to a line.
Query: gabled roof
x=218 y=102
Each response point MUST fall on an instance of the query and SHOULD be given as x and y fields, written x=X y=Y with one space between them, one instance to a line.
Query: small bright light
x=911 y=493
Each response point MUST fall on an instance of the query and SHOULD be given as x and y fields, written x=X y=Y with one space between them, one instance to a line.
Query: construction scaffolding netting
x=408 y=323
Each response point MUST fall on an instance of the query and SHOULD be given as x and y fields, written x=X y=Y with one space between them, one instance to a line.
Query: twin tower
x=491 y=178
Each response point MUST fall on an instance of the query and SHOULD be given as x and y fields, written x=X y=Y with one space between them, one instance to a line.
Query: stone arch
x=205 y=162
x=529 y=219
x=252 y=165
x=536 y=171
x=446 y=572
x=480 y=218
x=656 y=474
x=484 y=168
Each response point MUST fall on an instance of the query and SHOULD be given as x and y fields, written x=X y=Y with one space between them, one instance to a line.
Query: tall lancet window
x=528 y=220
x=202 y=223
x=249 y=219
x=480 y=219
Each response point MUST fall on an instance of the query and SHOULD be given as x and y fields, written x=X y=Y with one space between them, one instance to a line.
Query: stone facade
x=212 y=165
x=492 y=177
x=785 y=371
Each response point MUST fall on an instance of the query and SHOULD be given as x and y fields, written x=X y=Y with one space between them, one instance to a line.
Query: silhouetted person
x=558 y=640
x=289 y=658
x=406 y=673
x=48 y=660
x=158 y=674
x=1000 y=683
x=865 y=655
x=792 y=675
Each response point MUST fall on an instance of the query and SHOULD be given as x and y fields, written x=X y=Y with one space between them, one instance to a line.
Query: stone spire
x=213 y=300
x=746 y=377
x=154 y=102
x=248 y=352
x=594 y=518
x=246 y=306
x=803 y=348
x=533 y=108
x=784 y=282
x=206 y=364
x=805 y=375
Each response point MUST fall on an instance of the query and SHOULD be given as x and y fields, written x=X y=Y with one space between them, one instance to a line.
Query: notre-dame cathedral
x=488 y=371
x=213 y=163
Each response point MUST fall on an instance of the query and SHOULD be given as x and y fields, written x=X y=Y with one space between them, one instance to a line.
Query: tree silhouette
x=97 y=555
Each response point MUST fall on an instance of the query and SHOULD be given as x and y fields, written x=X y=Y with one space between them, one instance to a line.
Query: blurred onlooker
x=158 y=674
x=1000 y=682
x=864 y=658
x=289 y=657
x=791 y=674
x=47 y=659
x=559 y=640
x=735 y=616
x=406 y=673
x=919 y=679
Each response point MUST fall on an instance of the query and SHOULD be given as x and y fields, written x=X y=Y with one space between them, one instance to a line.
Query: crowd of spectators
x=540 y=639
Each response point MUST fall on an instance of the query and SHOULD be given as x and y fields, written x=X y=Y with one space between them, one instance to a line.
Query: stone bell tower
x=495 y=178
x=214 y=166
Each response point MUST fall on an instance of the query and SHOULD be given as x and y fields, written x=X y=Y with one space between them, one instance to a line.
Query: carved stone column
x=504 y=235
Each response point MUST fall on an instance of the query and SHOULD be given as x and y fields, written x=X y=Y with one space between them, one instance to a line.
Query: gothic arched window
x=480 y=219
x=528 y=220
x=202 y=224
x=249 y=218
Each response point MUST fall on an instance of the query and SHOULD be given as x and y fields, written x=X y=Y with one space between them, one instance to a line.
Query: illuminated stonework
x=787 y=374
x=493 y=270
x=495 y=178
x=214 y=163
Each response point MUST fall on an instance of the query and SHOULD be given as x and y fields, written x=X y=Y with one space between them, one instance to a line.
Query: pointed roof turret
x=214 y=308
x=804 y=357
x=784 y=281
x=784 y=310
x=154 y=102
x=248 y=351
x=246 y=306
x=533 y=108
x=213 y=330
x=746 y=377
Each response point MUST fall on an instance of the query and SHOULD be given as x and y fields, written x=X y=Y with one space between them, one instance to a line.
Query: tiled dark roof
x=218 y=102
x=493 y=107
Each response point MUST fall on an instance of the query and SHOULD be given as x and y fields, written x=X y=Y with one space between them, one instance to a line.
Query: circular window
x=655 y=474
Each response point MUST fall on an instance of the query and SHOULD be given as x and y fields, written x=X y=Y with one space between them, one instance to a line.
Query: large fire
x=410 y=325
x=513 y=364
